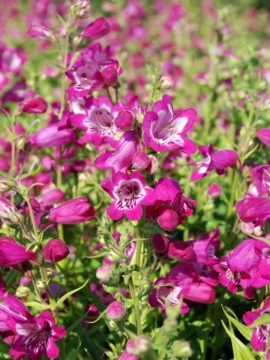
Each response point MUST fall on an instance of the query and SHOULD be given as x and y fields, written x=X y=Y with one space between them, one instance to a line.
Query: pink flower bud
x=214 y=190
x=33 y=106
x=51 y=136
x=35 y=207
x=165 y=82
x=104 y=273
x=139 y=346
x=125 y=120
x=55 y=250
x=40 y=32
x=96 y=29
x=72 y=212
x=110 y=75
x=51 y=197
x=13 y=253
x=8 y=213
x=140 y=161
x=81 y=9
x=160 y=242
x=116 y=311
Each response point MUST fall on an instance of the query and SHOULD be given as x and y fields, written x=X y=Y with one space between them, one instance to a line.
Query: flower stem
x=135 y=308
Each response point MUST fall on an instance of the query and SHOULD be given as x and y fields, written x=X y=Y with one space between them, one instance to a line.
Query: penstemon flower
x=130 y=193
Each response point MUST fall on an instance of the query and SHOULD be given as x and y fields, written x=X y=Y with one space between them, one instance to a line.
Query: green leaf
x=264 y=319
x=63 y=298
x=37 y=305
x=243 y=329
x=250 y=152
x=241 y=351
x=102 y=254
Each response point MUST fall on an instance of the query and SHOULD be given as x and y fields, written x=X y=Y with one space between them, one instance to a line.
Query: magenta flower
x=255 y=209
x=130 y=193
x=164 y=130
x=97 y=122
x=214 y=160
x=8 y=213
x=171 y=206
x=34 y=337
x=182 y=281
x=50 y=136
x=261 y=179
x=33 y=106
x=40 y=32
x=122 y=158
x=10 y=306
x=72 y=212
x=13 y=253
x=260 y=333
x=96 y=29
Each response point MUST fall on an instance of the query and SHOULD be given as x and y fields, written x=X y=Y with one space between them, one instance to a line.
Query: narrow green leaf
x=243 y=329
x=264 y=319
x=243 y=349
x=37 y=305
x=63 y=298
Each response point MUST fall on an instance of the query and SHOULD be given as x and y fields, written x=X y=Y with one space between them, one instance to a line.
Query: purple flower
x=130 y=193
x=171 y=206
x=34 y=337
x=13 y=253
x=50 y=136
x=121 y=159
x=72 y=212
x=214 y=160
x=97 y=122
x=260 y=333
x=96 y=29
x=33 y=106
x=164 y=130
x=255 y=209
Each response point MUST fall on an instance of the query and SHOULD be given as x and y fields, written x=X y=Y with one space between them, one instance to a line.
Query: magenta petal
x=52 y=350
x=134 y=214
x=114 y=213
x=223 y=159
x=167 y=218
x=264 y=136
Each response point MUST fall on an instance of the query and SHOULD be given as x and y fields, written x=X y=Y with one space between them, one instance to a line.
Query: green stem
x=208 y=321
x=135 y=308
x=59 y=186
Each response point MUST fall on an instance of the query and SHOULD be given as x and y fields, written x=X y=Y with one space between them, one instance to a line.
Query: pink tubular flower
x=121 y=159
x=33 y=106
x=260 y=333
x=72 y=212
x=255 y=209
x=214 y=160
x=10 y=306
x=130 y=193
x=13 y=253
x=50 y=136
x=34 y=337
x=171 y=206
x=164 y=130
x=40 y=32
x=96 y=29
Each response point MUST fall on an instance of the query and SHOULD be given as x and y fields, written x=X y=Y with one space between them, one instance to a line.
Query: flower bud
x=165 y=82
x=41 y=286
x=153 y=165
x=139 y=346
x=104 y=273
x=32 y=106
x=140 y=161
x=22 y=291
x=77 y=40
x=181 y=348
x=96 y=29
x=81 y=9
x=55 y=250
x=110 y=75
x=8 y=213
x=125 y=120
x=116 y=311
x=40 y=32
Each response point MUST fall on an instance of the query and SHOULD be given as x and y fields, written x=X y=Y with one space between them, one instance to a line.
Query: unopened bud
x=81 y=9
x=20 y=143
x=8 y=213
x=165 y=82
x=104 y=273
x=116 y=311
x=77 y=40
x=40 y=285
x=22 y=291
x=115 y=255
x=140 y=345
x=182 y=348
